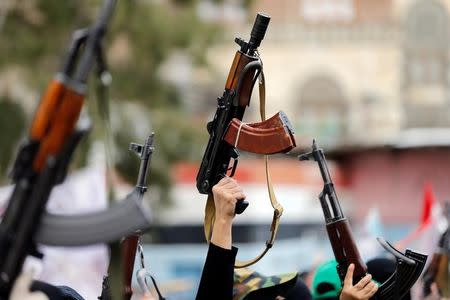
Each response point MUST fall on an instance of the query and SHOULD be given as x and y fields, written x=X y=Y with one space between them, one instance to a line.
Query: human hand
x=21 y=289
x=363 y=290
x=226 y=193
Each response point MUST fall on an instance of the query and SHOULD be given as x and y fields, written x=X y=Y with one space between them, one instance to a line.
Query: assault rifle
x=409 y=264
x=236 y=97
x=130 y=243
x=228 y=133
x=42 y=163
x=439 y=268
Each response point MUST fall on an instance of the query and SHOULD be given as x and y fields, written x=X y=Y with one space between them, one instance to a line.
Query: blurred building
x=370 y=80
x=392 y=176
x=353 y=72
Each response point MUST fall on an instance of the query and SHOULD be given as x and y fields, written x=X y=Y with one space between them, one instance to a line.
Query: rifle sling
x=277 y=208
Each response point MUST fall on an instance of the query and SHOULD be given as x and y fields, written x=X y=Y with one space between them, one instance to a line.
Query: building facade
x=353 y=72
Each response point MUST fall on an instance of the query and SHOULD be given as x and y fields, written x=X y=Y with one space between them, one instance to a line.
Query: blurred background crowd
x=370 y=80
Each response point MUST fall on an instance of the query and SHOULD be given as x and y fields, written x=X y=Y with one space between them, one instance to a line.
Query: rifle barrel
x=96 y=32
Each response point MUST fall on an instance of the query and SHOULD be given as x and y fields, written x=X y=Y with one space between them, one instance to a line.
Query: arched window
x=322 y=109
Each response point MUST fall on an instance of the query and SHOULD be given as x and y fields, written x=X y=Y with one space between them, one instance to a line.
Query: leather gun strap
x=210 y=213
x=277 y=208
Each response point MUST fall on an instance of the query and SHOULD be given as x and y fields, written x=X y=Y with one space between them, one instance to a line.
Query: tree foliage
x=12 y=123
x=142 y=36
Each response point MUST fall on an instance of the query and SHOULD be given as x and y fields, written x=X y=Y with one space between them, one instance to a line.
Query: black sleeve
x=55 y=292
x=217 y=276
x=51 y=291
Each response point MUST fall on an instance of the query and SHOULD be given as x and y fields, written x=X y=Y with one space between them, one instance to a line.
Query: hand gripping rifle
x=438 y=270
x=409 y=264
x=42 y=162
x=228 y=133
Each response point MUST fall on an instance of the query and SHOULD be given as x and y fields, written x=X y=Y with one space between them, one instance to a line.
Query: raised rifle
x=438 y=270
x=228 y=133
x=130 y=243
x=409 y=264
x=42 y=163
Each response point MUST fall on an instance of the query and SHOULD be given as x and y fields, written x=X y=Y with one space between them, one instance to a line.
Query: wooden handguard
x=63 y=124
x=275 y=135
x=128 y=254
x=345 y=249
x=46 y=110
x=239 y=62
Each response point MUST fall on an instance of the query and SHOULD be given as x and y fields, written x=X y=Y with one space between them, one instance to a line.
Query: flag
x=425 y=236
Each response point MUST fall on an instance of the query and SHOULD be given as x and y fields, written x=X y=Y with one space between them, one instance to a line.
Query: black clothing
x=299 y=292
x=217 y=276
x=55 y=292
x=51 y=291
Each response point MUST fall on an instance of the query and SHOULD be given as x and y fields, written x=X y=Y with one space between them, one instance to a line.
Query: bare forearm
x=221 y=234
